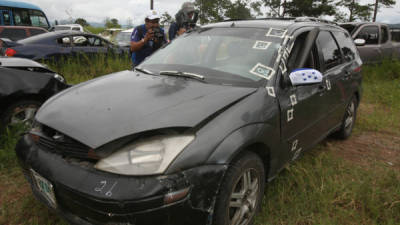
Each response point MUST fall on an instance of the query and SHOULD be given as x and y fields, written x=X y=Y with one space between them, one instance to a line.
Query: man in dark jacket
x=182 y=18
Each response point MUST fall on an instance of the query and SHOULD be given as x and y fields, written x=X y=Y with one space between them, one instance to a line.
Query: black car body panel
x=274 y=119
x=20 y=78
x=160 y=97
x=61 y=44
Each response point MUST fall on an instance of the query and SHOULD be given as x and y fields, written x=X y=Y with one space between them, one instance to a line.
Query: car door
x=371 y=51
x=81 y=46
x=62 y=50
x=302 y=107
x=386 y=44
x=336 y=72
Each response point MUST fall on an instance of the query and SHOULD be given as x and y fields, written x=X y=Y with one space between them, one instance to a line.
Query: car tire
x=241 y=191
x=349 y=119
x=20 y=112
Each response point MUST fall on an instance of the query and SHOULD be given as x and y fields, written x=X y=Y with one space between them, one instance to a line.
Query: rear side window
x=346 y=44
x=13 y=34
x=330 y=50
x=21 y=17
x=370 y=34
x=36 y=32
x=385 y=35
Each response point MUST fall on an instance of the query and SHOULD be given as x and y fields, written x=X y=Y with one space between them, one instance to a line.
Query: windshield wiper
x=143 y=71
x=183 y=74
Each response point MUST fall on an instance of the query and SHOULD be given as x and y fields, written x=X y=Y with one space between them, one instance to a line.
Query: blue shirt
x=173 y=31
x=137 y=35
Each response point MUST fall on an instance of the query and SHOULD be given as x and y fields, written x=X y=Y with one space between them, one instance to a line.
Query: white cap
x=152 y=15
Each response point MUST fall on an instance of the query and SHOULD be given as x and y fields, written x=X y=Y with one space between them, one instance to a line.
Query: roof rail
x=266 y=18
x=313 y=19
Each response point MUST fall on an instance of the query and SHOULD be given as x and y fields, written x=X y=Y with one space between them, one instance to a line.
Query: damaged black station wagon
x=194 y=132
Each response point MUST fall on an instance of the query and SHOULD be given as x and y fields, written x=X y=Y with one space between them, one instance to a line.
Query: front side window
x=370 y=34
x=346 y=44
x=241 y=54
x=80 y=41
x=38 y=19
x=330 y=50
x=93 y=41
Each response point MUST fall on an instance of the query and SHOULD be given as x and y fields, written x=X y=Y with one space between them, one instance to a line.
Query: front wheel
x=22 y=112
x=241 y=192
x=349 y=119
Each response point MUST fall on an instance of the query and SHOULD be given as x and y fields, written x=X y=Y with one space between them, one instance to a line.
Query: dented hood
x=125 y=103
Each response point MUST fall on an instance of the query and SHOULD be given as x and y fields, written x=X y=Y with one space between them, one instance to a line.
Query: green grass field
x=356 y=181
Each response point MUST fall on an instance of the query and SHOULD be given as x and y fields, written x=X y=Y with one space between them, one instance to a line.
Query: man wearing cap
x=147 y=38
x=183 y=16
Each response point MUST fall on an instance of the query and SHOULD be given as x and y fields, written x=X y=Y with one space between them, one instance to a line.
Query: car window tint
x=76 y=28
x=312 y=59
x=385 y=35
x=395 y=35
x=346 y=44
x=21 y=17
x=370 y=34
x=330 y=50
x=36 y=31
x=6 y=18
x=80 y=41
x=13 y=34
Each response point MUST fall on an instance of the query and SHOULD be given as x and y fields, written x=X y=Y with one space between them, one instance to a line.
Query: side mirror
x=359 y=42
x=305 y=76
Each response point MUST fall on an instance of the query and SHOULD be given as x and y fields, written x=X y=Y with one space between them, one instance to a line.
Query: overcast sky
x=98 y=10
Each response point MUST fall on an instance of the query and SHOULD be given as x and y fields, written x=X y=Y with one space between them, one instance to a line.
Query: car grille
x=65 y=146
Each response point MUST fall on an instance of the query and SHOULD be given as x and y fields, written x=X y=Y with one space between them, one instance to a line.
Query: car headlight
x=59 y=78
x=147 y=157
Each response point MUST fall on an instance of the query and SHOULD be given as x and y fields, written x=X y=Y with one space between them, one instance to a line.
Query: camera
x=184 y=21
x=158 y=34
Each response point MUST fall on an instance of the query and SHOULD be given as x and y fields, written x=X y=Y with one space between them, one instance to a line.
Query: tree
x=238 y=10
x=166 y=19
x=82 y=22
x=356 y=11
x=212 y=11
x=312 y=8
x=384 y=3
x=112 y=23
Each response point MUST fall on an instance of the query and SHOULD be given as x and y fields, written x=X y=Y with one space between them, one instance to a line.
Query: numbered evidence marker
x=290 y=116
x=293 y=100
x=271 y=91
x=328 y=84
x=273 y=32
x=297 y=154
x=262 y=45
x=262 y=71
x=294 y=145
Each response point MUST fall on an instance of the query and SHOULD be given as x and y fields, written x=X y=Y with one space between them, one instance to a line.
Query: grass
x=351 y=182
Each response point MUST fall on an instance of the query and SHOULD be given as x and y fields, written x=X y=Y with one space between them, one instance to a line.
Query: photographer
x=147 y=38
x=185 y=20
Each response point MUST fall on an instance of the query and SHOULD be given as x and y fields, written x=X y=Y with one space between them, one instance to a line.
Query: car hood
x=114 y=106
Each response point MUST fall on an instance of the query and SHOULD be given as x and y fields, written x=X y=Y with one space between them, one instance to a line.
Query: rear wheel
x=20 y=113
x=241 y=192
x=349 y=119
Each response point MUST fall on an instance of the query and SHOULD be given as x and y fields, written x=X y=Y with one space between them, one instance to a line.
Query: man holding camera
x=147 y=38
x=185 y=19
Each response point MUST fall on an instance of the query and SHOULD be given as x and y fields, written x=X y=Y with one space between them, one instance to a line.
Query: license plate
x=45 y=187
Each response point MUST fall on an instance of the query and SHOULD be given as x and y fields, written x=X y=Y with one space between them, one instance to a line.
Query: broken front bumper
x=85 y=195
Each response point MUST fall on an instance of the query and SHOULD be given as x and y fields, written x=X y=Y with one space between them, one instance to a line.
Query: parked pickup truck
x=374 y=41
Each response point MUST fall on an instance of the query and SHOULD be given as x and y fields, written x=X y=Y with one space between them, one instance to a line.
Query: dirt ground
x=369 y=147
